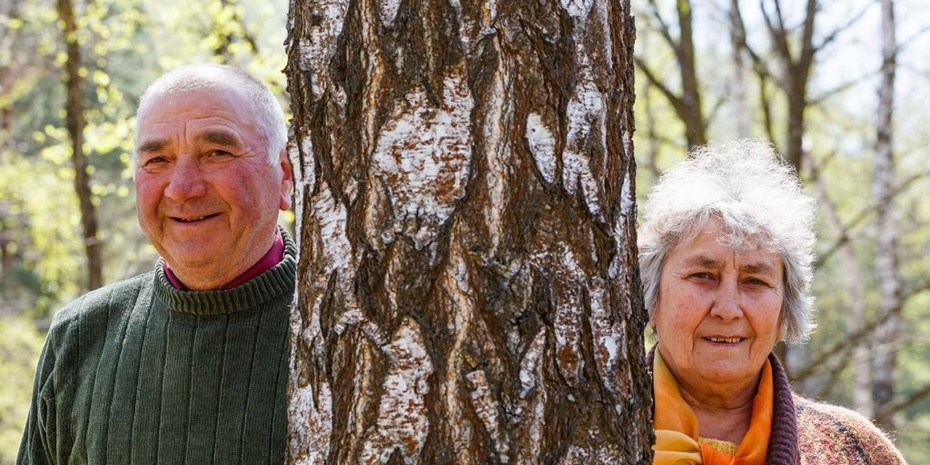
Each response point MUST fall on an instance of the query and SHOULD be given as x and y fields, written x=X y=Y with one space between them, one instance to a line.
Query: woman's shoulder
x=833 y=434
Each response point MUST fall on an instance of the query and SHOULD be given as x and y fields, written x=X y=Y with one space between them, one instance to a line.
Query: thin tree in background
x=75 y=123
x=468 y=290
x=743 y=117
x=794 y=75
x=687 y=103
x=887 y=272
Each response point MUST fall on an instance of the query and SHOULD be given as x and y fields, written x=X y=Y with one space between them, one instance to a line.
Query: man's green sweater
x=140 y=372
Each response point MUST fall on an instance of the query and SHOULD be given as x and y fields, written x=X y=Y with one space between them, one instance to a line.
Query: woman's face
x=718 y=310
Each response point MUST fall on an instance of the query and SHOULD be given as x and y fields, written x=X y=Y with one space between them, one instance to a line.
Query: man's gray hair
x=761 y=204
x=269 y=118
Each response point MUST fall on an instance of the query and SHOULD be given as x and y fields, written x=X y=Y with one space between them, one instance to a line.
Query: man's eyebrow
x=152 y=145
x=218 y=138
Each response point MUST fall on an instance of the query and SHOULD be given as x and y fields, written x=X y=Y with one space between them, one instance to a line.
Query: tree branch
x=864 y=214
x=886 y=413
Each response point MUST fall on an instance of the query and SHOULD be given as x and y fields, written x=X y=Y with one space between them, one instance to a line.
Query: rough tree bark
x=887 y=272
x=74 y=120
x=467 y=289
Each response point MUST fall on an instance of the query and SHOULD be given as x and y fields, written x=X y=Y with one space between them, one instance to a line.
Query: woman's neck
x=723 y=416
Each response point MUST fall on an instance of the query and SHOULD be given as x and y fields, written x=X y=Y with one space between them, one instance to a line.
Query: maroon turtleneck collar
x=272 y=258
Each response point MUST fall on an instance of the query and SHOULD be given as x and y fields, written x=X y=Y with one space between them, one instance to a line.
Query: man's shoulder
x=121 y=294
x=825 y=429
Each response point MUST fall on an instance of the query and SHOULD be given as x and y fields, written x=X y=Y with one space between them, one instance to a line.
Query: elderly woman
x=725 y=253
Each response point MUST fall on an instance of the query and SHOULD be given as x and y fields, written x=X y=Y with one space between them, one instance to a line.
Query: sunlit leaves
x=19 y=351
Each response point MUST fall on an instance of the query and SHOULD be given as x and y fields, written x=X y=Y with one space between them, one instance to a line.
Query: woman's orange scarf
x=678 y=440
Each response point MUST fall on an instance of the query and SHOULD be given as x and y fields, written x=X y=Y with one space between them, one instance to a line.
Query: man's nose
x=186 y=181
x=727 y=301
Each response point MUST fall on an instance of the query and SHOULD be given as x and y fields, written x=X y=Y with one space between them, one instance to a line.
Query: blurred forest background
x=841 y=87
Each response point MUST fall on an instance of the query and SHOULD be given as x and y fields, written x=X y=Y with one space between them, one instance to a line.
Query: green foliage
x=20 y=344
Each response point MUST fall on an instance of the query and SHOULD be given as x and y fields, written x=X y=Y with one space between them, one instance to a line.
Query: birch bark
x=468 y=291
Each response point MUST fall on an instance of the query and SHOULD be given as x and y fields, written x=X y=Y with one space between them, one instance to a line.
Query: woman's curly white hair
x=761 y=204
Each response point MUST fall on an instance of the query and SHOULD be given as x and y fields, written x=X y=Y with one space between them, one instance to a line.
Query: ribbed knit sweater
x=140 y=372
x=805 y=432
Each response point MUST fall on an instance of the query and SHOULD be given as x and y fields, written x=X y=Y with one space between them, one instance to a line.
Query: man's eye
x=154 y=161
x=220 y=153
x=702 y=275
x=756 y=282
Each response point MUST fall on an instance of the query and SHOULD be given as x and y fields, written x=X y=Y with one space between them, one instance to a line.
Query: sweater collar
x=271 y=284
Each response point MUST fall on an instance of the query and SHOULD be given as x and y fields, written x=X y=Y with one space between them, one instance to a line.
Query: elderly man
x=187 y=363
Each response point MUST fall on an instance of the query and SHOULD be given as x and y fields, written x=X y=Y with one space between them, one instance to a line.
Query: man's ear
x=287 y=181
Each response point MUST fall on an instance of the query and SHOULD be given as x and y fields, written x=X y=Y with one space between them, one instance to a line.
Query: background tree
x=687 y=103
x=75 y=123
x=468 y=289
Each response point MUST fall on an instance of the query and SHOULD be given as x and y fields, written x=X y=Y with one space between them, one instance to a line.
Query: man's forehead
x=217 y=132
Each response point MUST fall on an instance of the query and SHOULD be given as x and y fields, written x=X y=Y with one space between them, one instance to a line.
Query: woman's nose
x=727 y=301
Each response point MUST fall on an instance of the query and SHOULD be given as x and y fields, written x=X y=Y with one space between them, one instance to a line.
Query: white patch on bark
x=313 y=408
x=331 y=252
x=627 y=204
x=422 y=156
x=578 y=9
x=318 y=48
x=498 y=115
x=627 y=197
x=601 y=453
x=607 y=335
x=585 y=112
x=487 y=410
x=533 y=398
x=304 y=177
x=456 y=283
x=387 y=11
x=542 y=146
x=567 y=321
x=332 y=221
x=402 y=423
x=608 y=45
x=528 y=371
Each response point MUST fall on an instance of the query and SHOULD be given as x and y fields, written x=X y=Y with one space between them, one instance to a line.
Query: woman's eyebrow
x=702 y=261
x=758 y=268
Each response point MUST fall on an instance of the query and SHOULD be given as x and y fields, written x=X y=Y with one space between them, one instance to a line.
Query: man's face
x=206 y=196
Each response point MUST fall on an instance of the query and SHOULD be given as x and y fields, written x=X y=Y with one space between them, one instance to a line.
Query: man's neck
x=271 y=258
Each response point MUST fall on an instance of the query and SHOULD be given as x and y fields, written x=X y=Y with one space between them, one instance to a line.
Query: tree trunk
x=74 y=120
x=467 y=290
x=887 y=272
x=796 y=76
x=688 y=105
x=742 y=115
x=695 y=130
